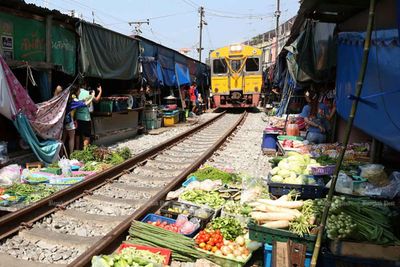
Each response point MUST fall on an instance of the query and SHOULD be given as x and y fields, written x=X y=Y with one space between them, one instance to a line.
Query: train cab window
x=219 y=66
x=236 y=64
x=252 y=64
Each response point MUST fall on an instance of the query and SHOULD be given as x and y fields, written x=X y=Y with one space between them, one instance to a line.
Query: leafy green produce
x=358 y=219
x=37 y=179
x=129 y=256
x=212 y=173
x=115 y=159
x=84 y=155
x=230 y=227
x=201 y=197
x=234 y=207
x=125 y=153
x=305 y=222
x=325 y=160
x=31 y=192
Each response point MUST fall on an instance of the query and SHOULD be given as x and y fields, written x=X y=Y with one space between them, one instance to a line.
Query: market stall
x=228 y=219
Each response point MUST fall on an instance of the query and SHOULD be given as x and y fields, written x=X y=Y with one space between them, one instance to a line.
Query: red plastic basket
x=162 y=251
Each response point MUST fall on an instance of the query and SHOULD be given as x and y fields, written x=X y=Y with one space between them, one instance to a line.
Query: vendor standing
x=83 y=118
x=316 y=116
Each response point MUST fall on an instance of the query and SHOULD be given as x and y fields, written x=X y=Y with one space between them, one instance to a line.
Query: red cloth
x=192 y=94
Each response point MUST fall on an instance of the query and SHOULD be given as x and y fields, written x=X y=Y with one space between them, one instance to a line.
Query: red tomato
x=219 y=245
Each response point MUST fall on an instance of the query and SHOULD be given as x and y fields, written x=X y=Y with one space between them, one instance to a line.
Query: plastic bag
x=390 y=191
x=375 y=174
x=10 y=174
x=65 y=166
x=252 y=189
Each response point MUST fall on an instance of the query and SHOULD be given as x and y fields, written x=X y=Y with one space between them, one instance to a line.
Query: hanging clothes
x=49 y=118
x=18 y=95
x=46 y=151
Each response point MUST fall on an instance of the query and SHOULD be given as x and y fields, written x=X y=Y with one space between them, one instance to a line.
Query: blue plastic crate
x=268 y=256
x=154 y=217
x=189 y=180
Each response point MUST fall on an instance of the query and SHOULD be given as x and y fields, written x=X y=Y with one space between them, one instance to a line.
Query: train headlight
x=256 y=89
x=216 y=90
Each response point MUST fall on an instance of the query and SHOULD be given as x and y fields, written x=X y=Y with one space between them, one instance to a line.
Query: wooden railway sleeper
x=25 y=225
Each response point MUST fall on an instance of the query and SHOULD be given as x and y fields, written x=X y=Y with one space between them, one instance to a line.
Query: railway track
x=93 y=217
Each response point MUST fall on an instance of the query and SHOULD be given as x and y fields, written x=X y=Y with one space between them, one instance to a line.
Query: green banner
x=25 y=39
x=63 y=49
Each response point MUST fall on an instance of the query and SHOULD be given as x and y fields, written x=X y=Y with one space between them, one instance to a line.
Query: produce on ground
x=183 y=226
x=212 y=173
x=101 y=154
x=359 y=220
x=201 y=197
x=37 y=179
x=294 y=169
x=183 y=248
x=129 y=256
x=286 y=212
x=31 y=193
x=235 y=207
x=213 y=241
x=230 y=228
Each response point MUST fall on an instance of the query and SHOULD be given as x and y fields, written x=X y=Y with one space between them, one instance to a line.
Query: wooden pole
x=349 y=125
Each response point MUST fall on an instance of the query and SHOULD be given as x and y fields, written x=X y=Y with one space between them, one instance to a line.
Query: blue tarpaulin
x=182 y=74
x=152 y=72
x=378 y=112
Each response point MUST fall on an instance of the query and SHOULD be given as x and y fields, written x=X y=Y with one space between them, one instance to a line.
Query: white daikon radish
x=277 y=224
x=270 y=208
x=284 y=204
x=272 y=216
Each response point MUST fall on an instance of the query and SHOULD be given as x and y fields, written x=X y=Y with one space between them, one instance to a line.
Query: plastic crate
x=306 y=191
x=65 y=180
x=268 y=256
x=172 y=204
x=162 y=251
x=323 y=170
x=290 y=137
x=105 y=106
x=154 y=217
x=56 y=171
x=188 y=181
x=268 y=235
x=224 y=261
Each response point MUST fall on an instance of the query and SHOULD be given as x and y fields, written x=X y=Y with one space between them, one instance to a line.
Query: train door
x=219 y=72
x=253 y=75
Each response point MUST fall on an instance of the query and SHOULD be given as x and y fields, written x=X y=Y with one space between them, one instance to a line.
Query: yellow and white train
x=236 y=76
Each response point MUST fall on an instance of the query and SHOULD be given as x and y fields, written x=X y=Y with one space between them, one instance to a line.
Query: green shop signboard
x=25 y=39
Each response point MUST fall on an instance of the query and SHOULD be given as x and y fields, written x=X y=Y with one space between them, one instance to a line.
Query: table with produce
x=21 y=187
x=219 y=218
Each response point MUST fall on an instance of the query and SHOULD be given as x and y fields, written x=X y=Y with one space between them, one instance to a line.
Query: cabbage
x=277 y=179
x=313 y=161
x=293 y=175
x=284 y=164
x=284 y=173
x=274 y=170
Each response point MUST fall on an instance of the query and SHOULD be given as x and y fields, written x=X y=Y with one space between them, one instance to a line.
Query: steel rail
x=11 y=223
x=114 y=238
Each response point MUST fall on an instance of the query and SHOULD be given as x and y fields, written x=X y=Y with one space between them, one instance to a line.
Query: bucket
x=150 y=113
x=150 y=124
x=269 y=140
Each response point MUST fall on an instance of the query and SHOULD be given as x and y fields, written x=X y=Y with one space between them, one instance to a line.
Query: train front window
x=235 y=64
x=252 y=64
x=219 y=66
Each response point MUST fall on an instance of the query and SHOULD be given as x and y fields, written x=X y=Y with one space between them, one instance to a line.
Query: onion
x=245 y=252
x=237 y=253
x=240 y=240
x=226 y=242
x=232 y=247
x=226 y=250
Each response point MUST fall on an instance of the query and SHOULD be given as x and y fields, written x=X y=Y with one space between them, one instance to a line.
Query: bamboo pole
x=349 y=125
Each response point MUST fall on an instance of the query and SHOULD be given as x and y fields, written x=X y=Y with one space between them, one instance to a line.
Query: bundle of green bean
x=182 y=247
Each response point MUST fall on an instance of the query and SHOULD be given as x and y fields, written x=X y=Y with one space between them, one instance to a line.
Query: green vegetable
x=234 y=207
x=31 y=192
x=325 y=160
x=359 y=219
x=37 y=179
x=201 y=197
x=230 y=227
x=182 y=247
x=212 y=173
x=305 y=222
x=129 y=256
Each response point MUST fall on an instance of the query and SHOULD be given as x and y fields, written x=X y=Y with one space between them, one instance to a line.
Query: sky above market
x=174 y=23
